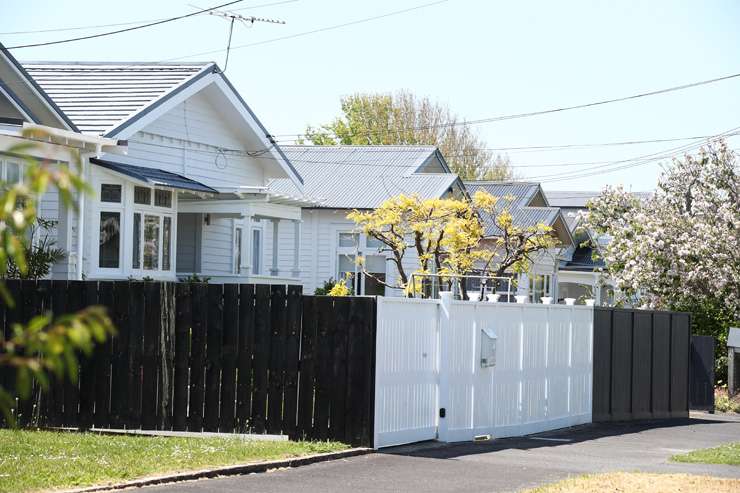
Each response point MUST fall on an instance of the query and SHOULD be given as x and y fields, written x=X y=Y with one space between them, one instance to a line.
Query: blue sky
x=482 y=58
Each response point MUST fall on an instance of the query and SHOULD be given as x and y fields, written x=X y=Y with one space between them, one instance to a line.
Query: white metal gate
x=406 y=372
x=429 y=364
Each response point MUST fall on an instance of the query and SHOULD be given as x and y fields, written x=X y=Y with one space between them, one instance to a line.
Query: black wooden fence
x=212 y=357
x=641 y=364
x=701 y=383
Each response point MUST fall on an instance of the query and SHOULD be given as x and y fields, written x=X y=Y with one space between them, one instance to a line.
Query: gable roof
x=36 y=91
x=99 y=96
x=119 y=98
x=517 y=197
x=362 y=177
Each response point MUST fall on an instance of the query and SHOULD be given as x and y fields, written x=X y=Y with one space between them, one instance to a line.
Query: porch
x=240 y=237
x=148 y=223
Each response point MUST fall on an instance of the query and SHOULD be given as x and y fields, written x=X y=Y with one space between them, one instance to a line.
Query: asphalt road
x=499 y=465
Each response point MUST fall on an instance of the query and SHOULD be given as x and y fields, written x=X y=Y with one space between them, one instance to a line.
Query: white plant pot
x=570 y=301
x=546 y=300
x=474 y=296
x=590 y=302
x=521 y=298
x=493 y=297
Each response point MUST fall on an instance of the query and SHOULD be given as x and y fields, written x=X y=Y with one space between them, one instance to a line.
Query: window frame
x=547 y=288
x=237 y=247
x=362 y=249
x=111 y=207
x=161 y=213
x=127 y=208
x=258 y=262
x=4 y=162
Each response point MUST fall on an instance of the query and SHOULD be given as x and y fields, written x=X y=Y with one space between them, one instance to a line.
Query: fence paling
x=212 y=357
x=641 y=363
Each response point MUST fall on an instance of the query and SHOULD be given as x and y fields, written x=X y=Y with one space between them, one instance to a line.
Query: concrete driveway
x=500 y=465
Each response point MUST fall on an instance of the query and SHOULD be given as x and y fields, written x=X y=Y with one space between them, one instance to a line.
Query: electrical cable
x=119 y=31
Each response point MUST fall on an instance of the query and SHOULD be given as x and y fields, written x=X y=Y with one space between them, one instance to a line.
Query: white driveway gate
x=431 y=382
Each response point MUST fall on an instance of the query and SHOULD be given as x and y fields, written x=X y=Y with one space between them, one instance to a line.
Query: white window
x=238 y=243
x=540 y=287
x=11 y=172
x=152 y=230
x=110 y=222
x=366 y=279
x=109 y=254
x=256 y=251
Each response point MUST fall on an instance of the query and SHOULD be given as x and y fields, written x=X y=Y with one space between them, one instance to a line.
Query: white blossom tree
x=680 y=248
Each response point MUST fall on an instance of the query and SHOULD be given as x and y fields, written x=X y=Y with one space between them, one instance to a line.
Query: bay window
x=135 y=227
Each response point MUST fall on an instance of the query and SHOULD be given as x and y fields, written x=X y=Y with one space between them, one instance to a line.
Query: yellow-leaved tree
x=448 y=236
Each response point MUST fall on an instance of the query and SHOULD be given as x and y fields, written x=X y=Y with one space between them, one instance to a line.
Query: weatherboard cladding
x=362 y=177
x=514 y=196
x=99 y=96
x=156 y=177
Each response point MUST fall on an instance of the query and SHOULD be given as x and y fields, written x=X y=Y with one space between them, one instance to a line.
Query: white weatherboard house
x=528 y=206
x=190 y=195
x=345 y=178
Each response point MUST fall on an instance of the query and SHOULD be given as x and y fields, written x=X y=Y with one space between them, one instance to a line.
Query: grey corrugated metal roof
x=362 y=177
x=97 y=96
x=570 y=199
x=155 y=177
x=516 y=197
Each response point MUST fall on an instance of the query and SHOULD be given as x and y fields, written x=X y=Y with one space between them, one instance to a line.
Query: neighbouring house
x=579 y=274
x=190 y=196
x=345 y=178
x=528 y=206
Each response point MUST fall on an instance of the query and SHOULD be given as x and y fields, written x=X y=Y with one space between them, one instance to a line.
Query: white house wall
x=195 y=125
x=318 y=262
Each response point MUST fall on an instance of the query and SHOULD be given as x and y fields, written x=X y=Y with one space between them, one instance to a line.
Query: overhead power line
x=514 y=116
x=119 y=31
x=129 y=23
x=262 y=152
x=315 y=31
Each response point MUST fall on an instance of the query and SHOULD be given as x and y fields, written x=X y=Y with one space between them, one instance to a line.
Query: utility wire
x=514 y=116
x=375 y=164
x=314 y=31
x=129 y=23
x=119 y=31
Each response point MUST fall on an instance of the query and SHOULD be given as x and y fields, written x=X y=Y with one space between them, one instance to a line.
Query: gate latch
x=442 y=412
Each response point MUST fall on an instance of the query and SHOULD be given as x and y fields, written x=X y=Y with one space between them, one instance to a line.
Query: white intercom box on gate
x=487 y=348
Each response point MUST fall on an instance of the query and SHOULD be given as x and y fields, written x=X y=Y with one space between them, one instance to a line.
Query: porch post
x=296 y=248
x=275 y=224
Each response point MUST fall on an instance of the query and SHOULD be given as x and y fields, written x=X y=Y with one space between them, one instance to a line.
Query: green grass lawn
x=724 y=454
x=35 y=460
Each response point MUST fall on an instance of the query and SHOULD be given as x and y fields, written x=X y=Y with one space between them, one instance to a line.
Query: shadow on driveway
x=549 y=439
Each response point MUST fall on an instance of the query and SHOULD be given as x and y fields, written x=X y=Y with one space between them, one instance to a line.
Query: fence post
x=443 y=321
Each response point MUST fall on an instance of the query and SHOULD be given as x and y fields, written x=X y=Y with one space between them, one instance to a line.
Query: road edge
x=233 y=470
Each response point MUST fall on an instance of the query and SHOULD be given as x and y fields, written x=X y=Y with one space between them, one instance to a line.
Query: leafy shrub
x=326 y=288
x=724 y=403
x=39 y=250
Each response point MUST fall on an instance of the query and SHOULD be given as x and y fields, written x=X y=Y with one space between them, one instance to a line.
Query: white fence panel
x=542 y=377
x=429 y=357
x=406 y=374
